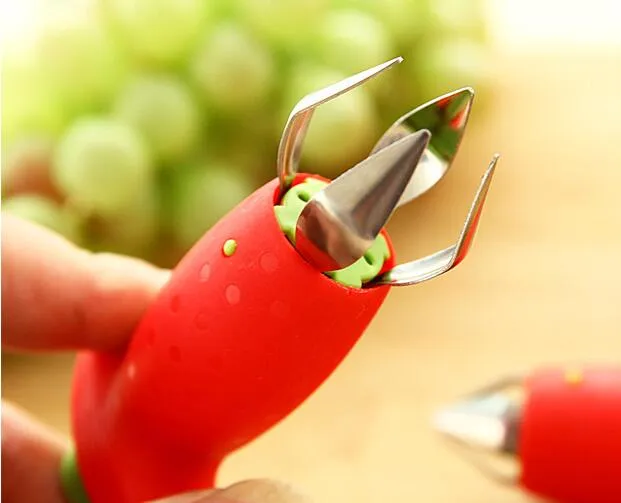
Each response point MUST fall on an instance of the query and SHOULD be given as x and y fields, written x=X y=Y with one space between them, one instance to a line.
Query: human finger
x=31 y=456
x=58 y=296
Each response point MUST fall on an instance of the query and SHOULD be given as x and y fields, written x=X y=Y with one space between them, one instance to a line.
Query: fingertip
x=111 y=272
x=257 y=491
x=31 y=456
x=247 y=491
x=191 y=497
x=59 y=296
x=115 y=293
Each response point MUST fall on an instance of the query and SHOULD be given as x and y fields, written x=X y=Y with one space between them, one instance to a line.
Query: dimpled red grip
x=570 y=443
x=231 y=346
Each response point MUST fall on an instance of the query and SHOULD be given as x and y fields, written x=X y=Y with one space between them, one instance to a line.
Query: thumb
x=249 y=491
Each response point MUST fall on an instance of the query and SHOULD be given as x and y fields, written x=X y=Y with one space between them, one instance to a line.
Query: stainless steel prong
x=434 y=265
x=485 y=427
x=340 y=223
x=446 y=118
x=289 y=150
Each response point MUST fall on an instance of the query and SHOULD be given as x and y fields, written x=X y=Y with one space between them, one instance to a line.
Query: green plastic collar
x=364 y=269
x=70 y=480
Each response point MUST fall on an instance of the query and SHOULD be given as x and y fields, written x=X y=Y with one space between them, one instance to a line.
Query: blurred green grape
x=342 y=131
x=200 y=195
x=448 y=65
x=289 y=26
x=254 y=157
x=232 y=70
x=30 y=105
x=118 y=98
x=162 y=109
x=101 y=164
x=78 y=57
x=457 y=18
x=32 y=110
x=161 y=32
x=352 y=41
x=44 y=212
x=133 y=230
x=405 y=20
x=248 y=141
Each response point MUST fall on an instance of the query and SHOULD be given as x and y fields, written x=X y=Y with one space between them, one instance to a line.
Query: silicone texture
x=570 y=444
x=232 y=345
x=362 y=270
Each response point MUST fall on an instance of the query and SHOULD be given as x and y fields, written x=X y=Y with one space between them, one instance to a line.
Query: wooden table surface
x=542 y=285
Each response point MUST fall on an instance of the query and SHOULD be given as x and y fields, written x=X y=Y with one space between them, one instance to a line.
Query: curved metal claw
x=446 y=118
x=289 y=150
x=443 y=261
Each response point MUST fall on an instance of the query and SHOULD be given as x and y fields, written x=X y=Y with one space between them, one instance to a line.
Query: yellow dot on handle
x=574 y=376
x=229 y=247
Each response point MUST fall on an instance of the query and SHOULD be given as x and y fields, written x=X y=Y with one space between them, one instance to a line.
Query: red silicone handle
x=570 y=443
x=231 y=346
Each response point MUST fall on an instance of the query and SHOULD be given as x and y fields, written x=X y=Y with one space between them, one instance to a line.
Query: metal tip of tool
x=289 y=150
x=471 y=225
x=316 y=98
x=446 y=118
x=340 y=223
x=486 y=426
x=443 y=261
x=478 y=421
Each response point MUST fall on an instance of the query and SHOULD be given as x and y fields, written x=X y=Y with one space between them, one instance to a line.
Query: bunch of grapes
x=134 y=125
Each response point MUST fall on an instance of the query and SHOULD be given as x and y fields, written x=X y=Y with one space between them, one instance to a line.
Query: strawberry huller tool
x=260 y=311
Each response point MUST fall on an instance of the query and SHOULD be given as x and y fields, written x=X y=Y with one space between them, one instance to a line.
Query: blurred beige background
x=542 y=285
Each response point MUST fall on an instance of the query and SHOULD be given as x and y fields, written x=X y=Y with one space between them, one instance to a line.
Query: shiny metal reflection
x=446 y=118
x=340 y=223
x=438 y=263
x=289 y=150
x=485 y=426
